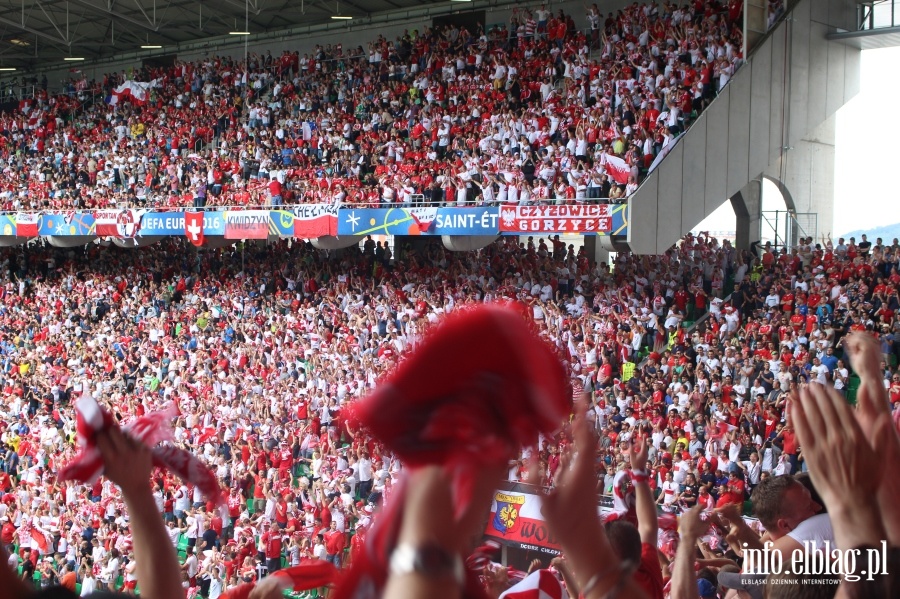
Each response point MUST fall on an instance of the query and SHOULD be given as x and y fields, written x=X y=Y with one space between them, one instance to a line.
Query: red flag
x=617 y=168
x=722 y=429
x=193 y=227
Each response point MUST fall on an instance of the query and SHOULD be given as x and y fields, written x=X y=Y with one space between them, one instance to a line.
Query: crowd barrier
x=311 y=221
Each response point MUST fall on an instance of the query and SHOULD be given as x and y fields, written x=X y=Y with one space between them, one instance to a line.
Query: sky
x=867 y=191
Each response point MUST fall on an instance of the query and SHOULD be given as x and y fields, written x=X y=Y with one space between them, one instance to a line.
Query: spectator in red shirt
x=272 y=542
x=335 y=541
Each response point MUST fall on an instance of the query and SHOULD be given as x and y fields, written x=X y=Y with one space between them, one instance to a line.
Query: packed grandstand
x=690 y=365
x=529 y=112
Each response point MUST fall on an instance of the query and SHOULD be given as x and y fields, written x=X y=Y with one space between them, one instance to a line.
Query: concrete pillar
x=747 y=205
x=806 y=170
x=595 y=250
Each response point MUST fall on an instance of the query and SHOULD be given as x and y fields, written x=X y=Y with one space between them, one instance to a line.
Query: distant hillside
x=887 y=233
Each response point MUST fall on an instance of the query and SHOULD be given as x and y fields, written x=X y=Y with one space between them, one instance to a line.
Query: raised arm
x=128 y=464
x=646 y=507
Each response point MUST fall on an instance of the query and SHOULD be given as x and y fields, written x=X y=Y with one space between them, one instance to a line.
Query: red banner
x=124 y=224
x=27 y=224
x=315 y=220
x=574 y=218
x=193 y=227
x=516 y=520
x=247 y=224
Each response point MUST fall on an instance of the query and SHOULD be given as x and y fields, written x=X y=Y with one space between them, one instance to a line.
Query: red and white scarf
x=151 y=430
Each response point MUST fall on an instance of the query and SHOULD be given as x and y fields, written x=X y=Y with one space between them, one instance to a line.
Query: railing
x=418 y=201
x=878 y=14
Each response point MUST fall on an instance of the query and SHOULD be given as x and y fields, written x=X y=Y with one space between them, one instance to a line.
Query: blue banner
x=66 y=224
x=172 y=223
x=313 y=220
x=419 y=221
x=8 y=225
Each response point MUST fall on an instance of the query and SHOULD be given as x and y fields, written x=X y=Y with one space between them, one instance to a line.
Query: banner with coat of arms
x=516 y=520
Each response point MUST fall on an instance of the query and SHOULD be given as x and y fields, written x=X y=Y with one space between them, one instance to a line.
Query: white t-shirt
x=816 y=531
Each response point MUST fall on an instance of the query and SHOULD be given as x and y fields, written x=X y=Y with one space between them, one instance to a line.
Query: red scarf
x=151 y=430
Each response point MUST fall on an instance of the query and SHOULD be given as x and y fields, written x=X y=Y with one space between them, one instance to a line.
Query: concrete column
x=595 y=250
x=747 y=205
x=807 y=171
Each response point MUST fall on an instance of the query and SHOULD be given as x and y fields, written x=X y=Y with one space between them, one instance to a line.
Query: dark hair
x=768 y=499
x=625 y=540
x=804 y=479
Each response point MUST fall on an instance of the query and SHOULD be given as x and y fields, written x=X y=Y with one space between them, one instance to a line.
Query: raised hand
x=872 y=412
x=845 y=469
x=571 y=507
x=637 y=451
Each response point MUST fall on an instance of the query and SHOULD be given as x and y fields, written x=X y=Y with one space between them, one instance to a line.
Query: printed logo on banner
x=506 y=518
x=315 y=220
x=247 y=224
x=117 y=223
x=575 y=218
x=172 y=223
x=128 y=224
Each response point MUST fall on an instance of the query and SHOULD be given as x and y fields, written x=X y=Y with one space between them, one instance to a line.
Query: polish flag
x=136 y=91
x=617 y=168
x=722 y=429
x=27 y=224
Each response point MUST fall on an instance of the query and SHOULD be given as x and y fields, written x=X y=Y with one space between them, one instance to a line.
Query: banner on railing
x=124 y=224
x=587 y=219
x=169 y=224
x=247 y=224
x=26 y=224
x=315 y=220
x=66 y=224
x=516 y=520
x=419 y=221
x=310 y=221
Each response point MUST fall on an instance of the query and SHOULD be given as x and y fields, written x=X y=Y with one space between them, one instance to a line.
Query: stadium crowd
x=263 y=348
x=533 y=111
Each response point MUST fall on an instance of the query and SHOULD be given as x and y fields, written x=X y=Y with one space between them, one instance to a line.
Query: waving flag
x=135 y=91
x=37 y=537
x=722 y=429
x=124 y=224
x=617 y=168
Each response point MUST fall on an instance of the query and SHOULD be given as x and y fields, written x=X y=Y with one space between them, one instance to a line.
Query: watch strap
x=430 y=560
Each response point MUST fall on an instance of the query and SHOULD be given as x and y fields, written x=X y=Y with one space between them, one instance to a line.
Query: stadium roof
x=41 y=33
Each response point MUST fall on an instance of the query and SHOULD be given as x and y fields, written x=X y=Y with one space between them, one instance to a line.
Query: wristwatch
x=430 y=560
